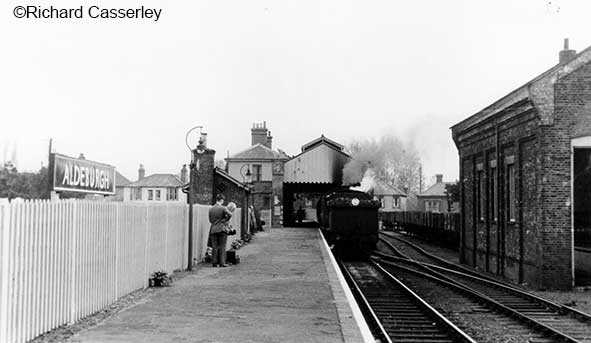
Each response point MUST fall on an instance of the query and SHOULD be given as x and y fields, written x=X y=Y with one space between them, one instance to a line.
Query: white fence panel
x=64 y=260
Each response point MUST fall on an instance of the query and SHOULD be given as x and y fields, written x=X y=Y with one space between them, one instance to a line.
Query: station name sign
x=80 y=175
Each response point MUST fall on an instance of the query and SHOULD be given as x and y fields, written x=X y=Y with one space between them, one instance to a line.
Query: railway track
x=560 y=318
x=483 y=318
x=397 y=313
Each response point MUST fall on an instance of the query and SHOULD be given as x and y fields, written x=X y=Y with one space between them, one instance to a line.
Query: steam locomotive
x=349 y=221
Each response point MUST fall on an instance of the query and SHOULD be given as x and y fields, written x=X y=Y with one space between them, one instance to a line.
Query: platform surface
x=284 y=290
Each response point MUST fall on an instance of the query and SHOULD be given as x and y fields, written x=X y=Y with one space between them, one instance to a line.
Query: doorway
x=582 y=214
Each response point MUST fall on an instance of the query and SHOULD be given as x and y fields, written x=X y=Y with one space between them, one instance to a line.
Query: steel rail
x=488 y=301
x=365 y=303
x=455 y=331
x=466 y=272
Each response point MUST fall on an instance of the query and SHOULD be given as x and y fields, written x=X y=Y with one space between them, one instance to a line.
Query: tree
x=393 y=161
x=452 y=192
x=24 y=185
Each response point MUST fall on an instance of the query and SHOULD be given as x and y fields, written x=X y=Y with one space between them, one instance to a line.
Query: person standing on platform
x=219 y=217
x=217 y=231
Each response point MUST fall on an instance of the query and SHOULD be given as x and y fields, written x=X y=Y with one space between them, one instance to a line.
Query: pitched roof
x=157 y=180
x=227 y=176
x=529 y=91
x=384 y=188
x=258 y=152
x=321 y=140
x=121 y=180
x=437 y=189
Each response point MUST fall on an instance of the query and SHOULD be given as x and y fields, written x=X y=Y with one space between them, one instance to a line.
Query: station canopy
x=321 y=161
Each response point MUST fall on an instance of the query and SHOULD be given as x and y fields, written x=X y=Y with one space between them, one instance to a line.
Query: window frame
x=511 y=193
x=257 y=172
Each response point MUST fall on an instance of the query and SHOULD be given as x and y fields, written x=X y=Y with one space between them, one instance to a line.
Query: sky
x=126 y=91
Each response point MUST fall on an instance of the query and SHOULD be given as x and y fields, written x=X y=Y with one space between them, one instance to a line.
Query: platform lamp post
x=192 y=166
x=247 y=179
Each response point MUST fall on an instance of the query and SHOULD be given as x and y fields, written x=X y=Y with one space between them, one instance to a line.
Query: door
x=582 y=214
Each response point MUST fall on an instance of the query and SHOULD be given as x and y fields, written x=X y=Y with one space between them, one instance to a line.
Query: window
x=137 y=193
x=395 y=202
x=479 y=195
x=511 y=192
x=158 y=195
x=493 y=193
x=382 y=202
x=171 y=194
x=256 y=172
x=432 y=205
x=267 y=202
x=150 y=194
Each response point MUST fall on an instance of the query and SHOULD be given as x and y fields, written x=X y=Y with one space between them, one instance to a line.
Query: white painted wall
x=266 y=170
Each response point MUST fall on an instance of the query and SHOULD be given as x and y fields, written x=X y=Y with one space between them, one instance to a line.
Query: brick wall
x=572 y=118
x=536 y=246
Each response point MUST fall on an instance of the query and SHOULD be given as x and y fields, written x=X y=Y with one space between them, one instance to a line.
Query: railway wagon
x=349 y=221
x=439 y=228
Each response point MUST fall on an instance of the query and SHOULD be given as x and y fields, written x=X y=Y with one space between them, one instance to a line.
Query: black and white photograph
x=224 y=171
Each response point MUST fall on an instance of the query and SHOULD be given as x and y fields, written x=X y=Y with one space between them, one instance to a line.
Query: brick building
x=209 y=181
x=524 y=160
x=266 y=168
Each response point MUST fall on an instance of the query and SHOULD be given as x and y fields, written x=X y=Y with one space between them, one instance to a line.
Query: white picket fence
x=61 y=261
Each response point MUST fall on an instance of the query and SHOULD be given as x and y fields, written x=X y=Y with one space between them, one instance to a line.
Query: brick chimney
x=566 y=55
x=269 y=141
x=439 y=178
x=184 y=174
x=203 y=175
x=141 y=173
x=259 y=134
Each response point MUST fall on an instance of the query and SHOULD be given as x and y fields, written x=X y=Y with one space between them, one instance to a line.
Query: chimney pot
x=259 y=134
x=184 y=174
x=141 y=172
x=567 y=54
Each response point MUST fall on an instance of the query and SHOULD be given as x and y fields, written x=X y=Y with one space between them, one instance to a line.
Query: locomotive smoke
x=368 y=182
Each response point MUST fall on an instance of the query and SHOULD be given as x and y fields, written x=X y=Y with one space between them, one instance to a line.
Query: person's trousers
x=218 y=244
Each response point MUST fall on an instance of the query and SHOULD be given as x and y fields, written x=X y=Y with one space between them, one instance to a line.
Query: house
x=523 y=160
x=155 y=187
x=434 y=198
x=120 y=183
x=391 y=197
x=265 y=166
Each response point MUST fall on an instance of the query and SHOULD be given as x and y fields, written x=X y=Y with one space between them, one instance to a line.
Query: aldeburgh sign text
x=80 y=175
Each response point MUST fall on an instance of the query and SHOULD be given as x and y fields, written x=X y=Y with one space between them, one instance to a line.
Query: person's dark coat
x=217 y=219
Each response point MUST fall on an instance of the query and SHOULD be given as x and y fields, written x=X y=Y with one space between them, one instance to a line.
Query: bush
x=160 y=279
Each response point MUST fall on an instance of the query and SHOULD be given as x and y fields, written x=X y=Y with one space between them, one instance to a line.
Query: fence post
x=167 y=217
x=4 y=275
x=147 y=241
x=73 y=262
x=117 y=248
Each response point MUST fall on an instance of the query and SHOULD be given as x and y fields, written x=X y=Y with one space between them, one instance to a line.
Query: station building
x=525 y=171
x=316 y=170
